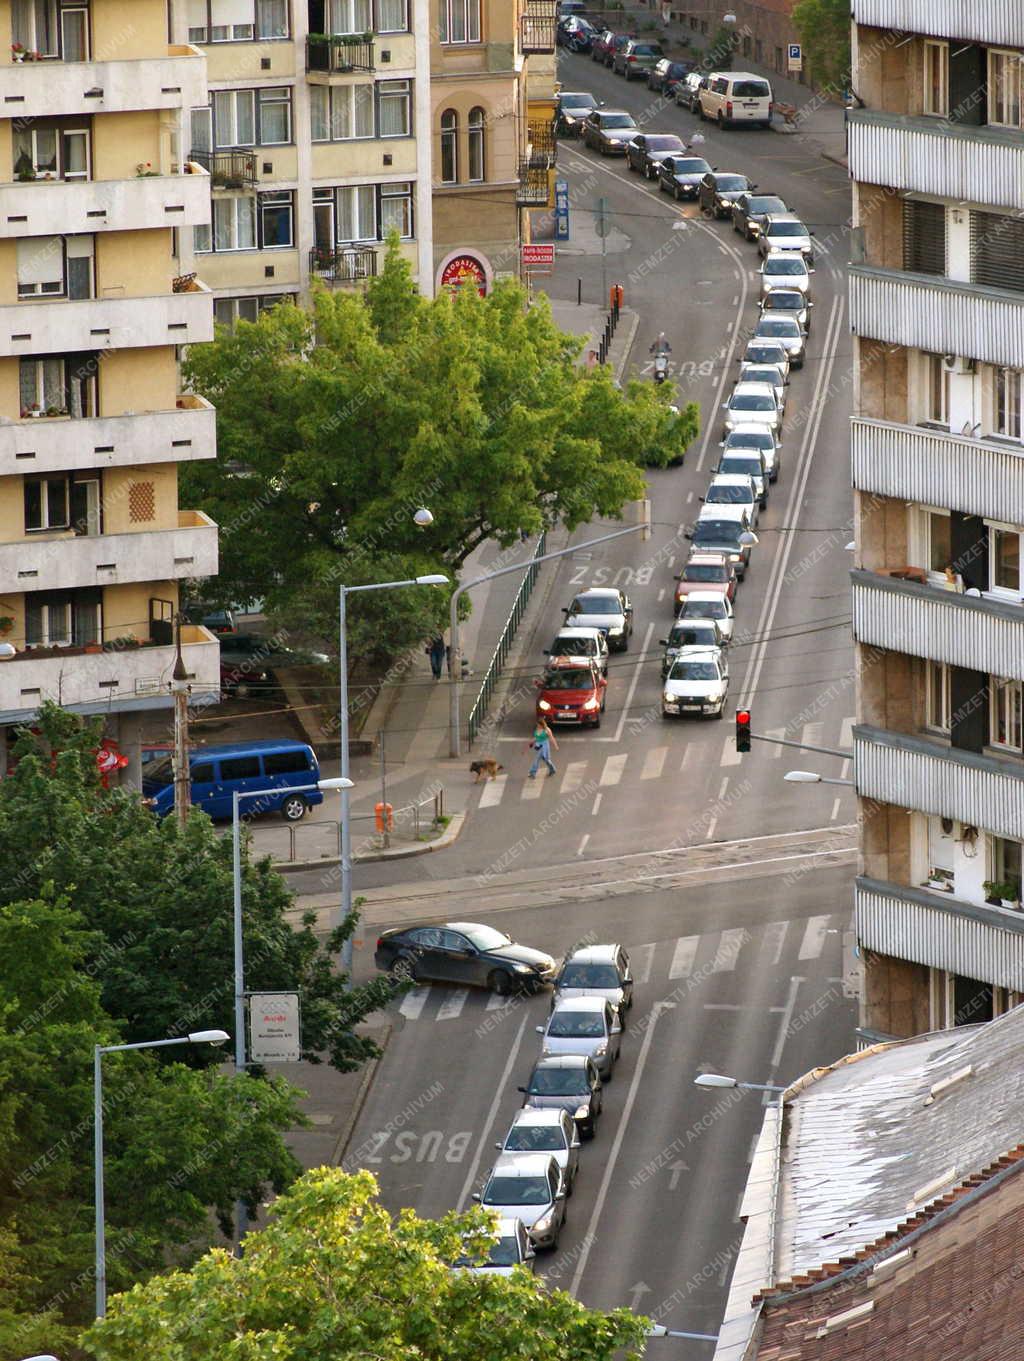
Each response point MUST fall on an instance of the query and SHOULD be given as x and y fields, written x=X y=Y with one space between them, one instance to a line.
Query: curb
x=634 y=326
x=341 y=1146
x=446 y=838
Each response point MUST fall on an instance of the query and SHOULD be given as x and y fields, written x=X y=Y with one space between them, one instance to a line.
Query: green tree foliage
x=334 y=1276
x=334 y=426
x=824 y=28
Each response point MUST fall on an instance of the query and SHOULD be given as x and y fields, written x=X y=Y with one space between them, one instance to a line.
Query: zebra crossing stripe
x=613 y=768
x=490 y=795
x=774 y=752
x=573 y=777
x=814 y=938
x=452 y=1004
x=728 y=950
x=654 y=762
x=730 y=756
x=413 y=1003
x=683 y=957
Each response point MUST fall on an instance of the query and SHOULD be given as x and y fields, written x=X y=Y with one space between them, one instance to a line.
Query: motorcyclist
x=661 y=345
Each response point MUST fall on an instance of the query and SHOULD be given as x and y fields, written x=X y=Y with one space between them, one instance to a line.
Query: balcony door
x=74 y=33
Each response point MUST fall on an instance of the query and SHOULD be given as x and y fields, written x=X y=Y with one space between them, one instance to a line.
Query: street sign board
x=539 y=255
x=602 y=223
x=274 y=1027
x=795 y=57
x=561 y=210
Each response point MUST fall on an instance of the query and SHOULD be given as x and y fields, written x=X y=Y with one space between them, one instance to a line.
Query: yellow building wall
x=124 y=30
x=245 y=268
x=10 y=397
x=241 y=61
x=126 y=608
x=12 y=509
x=334 y=162
x=8 y=272
x=117 y=499
x=134 y=264
x=497 y=98
x=121 y=140
x=137 y=380
x=284 y=163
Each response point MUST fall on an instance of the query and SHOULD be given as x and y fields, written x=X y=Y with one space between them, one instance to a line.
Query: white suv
x=736 y=97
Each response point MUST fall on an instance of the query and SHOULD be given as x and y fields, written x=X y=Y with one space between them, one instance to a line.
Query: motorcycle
x=660 y=367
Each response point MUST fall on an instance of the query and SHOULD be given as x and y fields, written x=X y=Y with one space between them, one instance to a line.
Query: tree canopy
x=335 y=1276
x=824 y=28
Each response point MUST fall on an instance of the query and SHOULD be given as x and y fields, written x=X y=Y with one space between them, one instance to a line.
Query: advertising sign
x=462 y=270
x=274 y=1027
x=539 y=255
x=561 y=210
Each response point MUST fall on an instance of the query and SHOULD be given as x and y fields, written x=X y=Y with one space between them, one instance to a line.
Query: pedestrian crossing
x=601 y=771
x=685 y=962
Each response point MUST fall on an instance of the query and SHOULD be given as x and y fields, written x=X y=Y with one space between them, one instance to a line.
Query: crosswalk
x=601 y=771
x=781 y=945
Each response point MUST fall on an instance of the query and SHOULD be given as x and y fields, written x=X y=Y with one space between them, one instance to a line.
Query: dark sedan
x=667 y=75
x=720 y=189
x=647 y=151
x=464 y=953
x=680 y=176
x=572 y=111
x=575 y=33
x=606 y=45
x=250 y=661
x=609 y=130
x=750 y=210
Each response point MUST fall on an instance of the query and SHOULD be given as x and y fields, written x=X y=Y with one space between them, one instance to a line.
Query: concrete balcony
x=941 y=931
x=61 y=444
x=943 y=626
x=125 y=678
x=984 y=21
x=929 y=312
x=49 y=89
x=33 y=207
x=931 y=156
x=928 y=776
x=58 y=326
x=66 y=560
x=978 y=476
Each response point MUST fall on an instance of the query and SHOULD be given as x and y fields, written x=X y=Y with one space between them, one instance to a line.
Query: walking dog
x=486 y=768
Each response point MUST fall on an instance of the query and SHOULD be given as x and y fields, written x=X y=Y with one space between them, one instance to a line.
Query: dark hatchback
x=667 y=75
x=464 y=953
x=250 y=661
x=647 y=151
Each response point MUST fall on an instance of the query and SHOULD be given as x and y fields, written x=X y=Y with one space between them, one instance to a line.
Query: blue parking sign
x=561 y=210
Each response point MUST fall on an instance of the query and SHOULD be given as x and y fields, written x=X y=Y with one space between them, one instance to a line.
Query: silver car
x=752 y=403
x=584 y=1025
x=765 y=352
x=766 y=373
x=567 y=1082
x=785 y=269
x=510 y=1247
x=785 y=231
x=528 y=1186
x=546 y=1131
x=604 y=608
x=788 y=302
x=709 y=605
x=755 y=436
x=596 y=971
x=787 y=331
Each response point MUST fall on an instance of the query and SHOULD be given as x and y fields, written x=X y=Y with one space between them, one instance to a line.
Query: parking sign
x=796 y=57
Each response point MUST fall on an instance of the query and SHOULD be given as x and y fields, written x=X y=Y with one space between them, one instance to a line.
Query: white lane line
x=583 y=843
x=573 y=777
x=495 y=1002
x=735 y=300
x=844 y=769
x=774 y=940
x=644 y=649
x=737 y=1006
x=654 y=763
x=413 y=1002
x=784 y=1024
x=725 y=786
x=452 y=1004
x=590 y=1237
x=835 y=810
x=683 y=956
x=490 y=795
x=595 y=806
x=672 y=560
x=689 y=496
x=661 y=595
x=813 y=734
x=739 y=1207
x=774 y=752
x=730 y=756
x=846 y=734
x=643 y=961
x=814 y=938
x=728 y=951
x=688 y=755
x=533 y=789
x=711 y=828
x=485 y=1135
x=613 y=768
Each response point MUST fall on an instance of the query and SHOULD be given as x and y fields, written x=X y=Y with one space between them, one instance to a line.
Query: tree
x=333 y=426
x=824 y=28
x=157 y=903
x=334 y=1276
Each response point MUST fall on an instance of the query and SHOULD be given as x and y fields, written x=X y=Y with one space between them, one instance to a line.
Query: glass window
x=1006 y=713
x=234 y=224
x=938 y=697
x=477 y=121
x=1004 y=81
x=46 y=503
x=201 y=772
x=285 y=762
x=74 y=34
x=319 y=113
x=1008 y=404
x=351 y=112
x=1007 y=861
x=202 y=129
x=940 y=551
x=449 y=147
x=1004 y=557
x=47 y=621
x=34 y=25
x=276 y=220
x=936 y=390
x=240 y=768
x=40 y=266
x=392 y=16
x=396 y=209
x=356 y=218
x=351 y=16
x=202 y=238
x=272 y=18
x=275 y=116
x=234 y=117
x=936 y=78
x=395 y=108
x=459 y=21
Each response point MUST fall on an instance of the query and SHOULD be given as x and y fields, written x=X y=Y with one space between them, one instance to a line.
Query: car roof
x=461 y=926
x=604 y=112
x=249 y=748
x=732 y=480
x=539 y=1115
x=784 y=255
x=578 y=631
x=698 y=596
x=776 y=289
x=570 y=663
x=522 y=1165
x=593 y=954
x=562 y=1061
x=575 y=94
x=507 y=1228
x=706 y=559
x=753 y=387
x=699 y=654
x=784 y=217
x=579 y=1004
x=596 y=591
x=792 y=321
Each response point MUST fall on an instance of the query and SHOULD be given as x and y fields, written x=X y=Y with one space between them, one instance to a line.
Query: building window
x=275 y=114
x=352 y=214
x=234 y=225
x=1008 y=404
x=938 y=715
x=234 y=118
x=940 y=551
x=1004 y=559
x=272 y=18
x=62 y=618
x=225 y=21
x=477 y=125
x=226 y=311
x=55 y=266
x=936 y=79
x=1004 y=82
x=924 y=237
x=396 y=209
x=348 y=16
x=46 y=503
x=997 y=250
x=34 y=25
x=58 y=384
x=394 y=108
x=50 y=151
x=276 y=220
x=449 y=147
x=1006 y=863
x=936 y=390
x=392 y=16
x=342 y=113
x=459 y=21
x=1005 y=713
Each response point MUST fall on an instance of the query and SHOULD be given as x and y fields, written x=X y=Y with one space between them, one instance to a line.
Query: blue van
x=216 y=772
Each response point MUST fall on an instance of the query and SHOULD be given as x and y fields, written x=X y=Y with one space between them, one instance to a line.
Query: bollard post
x=579 y=292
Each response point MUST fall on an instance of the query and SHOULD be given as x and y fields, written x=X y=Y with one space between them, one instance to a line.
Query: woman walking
x=436 y=652
x=541 y=743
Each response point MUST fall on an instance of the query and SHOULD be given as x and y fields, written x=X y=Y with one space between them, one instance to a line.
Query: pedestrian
x=541 y=742
x=436 y=651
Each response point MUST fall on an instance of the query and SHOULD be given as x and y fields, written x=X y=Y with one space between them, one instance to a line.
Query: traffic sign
x=795 y=57
x=539 y=255
x=602 y=218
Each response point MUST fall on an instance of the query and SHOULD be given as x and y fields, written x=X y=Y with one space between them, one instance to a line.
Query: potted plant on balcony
x=23 y=167
x=126 y=641
x=144 y=170
x=94 y=646
x=18 y=51
x=6 y=624
x=32 y=410
x=1002 y=892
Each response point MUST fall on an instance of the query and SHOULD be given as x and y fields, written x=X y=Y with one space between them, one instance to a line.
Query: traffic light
x=742 y=729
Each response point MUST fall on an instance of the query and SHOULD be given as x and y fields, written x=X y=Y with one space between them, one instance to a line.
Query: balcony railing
x=334 y=55
x=923 y=774
x=534 y=186
x=976 y=941
x=931 y=156
x=233 y=169
x=978 y=476
x=542 y=145
x=932 y=313
x=537 y=26
x=343 y=265
x=984 y=21
x=940 y=625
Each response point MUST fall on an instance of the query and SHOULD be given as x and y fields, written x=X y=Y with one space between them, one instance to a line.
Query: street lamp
x=657 y=1330
x=720 y=1080
x=811 y=777
x=423 y=518
x=195 y=1037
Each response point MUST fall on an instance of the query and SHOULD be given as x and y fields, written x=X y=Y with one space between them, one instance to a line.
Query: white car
x=771 y=374
x=765 y=352
x=785 y=269
x=530 y=1187
x=605 y=608
x=746 y=463
x=787 y=331
x=788 y=302
x=710 y=605
x=697 y=683
x=785 y=231
x=734 y=489
x=589 y=643
x=511 y=1247
x=584 y=1025
x=752 y=402
x=754 y=435
x=545 y=1131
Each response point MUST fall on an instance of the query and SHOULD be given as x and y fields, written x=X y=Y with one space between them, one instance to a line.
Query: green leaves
x=824 y=28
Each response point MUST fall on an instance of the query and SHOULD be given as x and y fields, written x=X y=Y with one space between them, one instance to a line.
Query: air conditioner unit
x=957 y=363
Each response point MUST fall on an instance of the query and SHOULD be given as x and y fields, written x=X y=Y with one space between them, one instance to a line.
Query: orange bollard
x=384 y=817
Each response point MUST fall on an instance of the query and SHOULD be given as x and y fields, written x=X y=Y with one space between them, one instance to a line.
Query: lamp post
x=720 y=1080
x=196 y=1037
x=811 y=777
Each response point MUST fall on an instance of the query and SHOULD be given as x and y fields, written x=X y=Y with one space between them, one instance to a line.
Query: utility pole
x=180 y=689
x=384 y=791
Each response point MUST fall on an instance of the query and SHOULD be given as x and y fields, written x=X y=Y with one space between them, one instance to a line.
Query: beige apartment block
x=937 y=310
x=313 y=129
x=99 y=201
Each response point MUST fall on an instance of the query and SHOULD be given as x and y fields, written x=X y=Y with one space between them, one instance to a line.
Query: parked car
x=546 y=1131
x=606 y=608
x=688 y=90
x=719 y=190
x=705 y=572
x=572 y=109
x=216 y=773
x=721 y=534
x=611 y=44
x=785 y=231
x=217 y=621
x=709 y=605
x=566 y=7
x=697 y=683
x=254 y=661
x=463 y=952
x=510 y=1247
x=766 y=373
x=746 y=462
x=636 y=58
x=785 y=269
x=568 y=1082
x=732 y=97
x=665 y=75
x=575 y=33
x=647 y=150
x=759 y=437
x=750 y=210
x=790 y=302
x=584 y=1025
x=608 y=131
x=528 y=1186
x=734 y=489
x=596 y=971
x=581 y=642
x=572 y=690
x=680 y=176
x=752 y=402
x=787 y=331
x=690 y=632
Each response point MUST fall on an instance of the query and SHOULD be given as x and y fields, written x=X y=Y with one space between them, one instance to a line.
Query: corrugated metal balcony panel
x=979 y=477
x=986 y=943
x=927 y=621
x=919 y=773
x=933 y=313
x=930 y=156
x=985 y=21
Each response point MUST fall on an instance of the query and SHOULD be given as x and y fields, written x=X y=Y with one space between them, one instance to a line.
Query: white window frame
x=277 y=198
x=935 y=383
x=45 y=525
x=346 y=15
x=936 y=64
x=1006 y=705
x=476 y=144
x=399 y=192
x=27 y=26
x=381 y=23
x=359 y=195
x=1003 y=592
x=1008 y=404
x=924 y=525
x=459 y=22
x=230 y=99
x=52 y=633
x=276 y=95
x=233 y=209
x=938 y=687
x=261 y=27
x=393 y=91
x=449 y=137
x=1013 y=72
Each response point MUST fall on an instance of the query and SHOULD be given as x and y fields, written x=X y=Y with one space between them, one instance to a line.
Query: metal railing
x=235 y=169
x=537 y=26
x=534 y=186
x=540 y=136
x=338 y=54
x=346 y=265
x=508 y=633
x=321 y=840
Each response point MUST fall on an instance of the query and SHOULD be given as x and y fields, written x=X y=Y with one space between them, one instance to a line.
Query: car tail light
x=728 y=108
x=771 y=108
x=380 y=941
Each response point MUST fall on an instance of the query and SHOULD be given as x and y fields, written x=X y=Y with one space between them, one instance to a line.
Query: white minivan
x=736 y=97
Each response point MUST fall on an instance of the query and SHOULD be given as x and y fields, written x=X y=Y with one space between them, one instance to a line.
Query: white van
x=736 y=97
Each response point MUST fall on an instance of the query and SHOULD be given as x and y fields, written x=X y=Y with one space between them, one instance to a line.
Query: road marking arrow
x=676 y=1168
x=641 y=1288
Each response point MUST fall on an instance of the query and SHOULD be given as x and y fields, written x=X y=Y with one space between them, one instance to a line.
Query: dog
x=486 y=768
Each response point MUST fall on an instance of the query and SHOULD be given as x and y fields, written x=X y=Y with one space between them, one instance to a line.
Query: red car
x=605 y=46
x=706 y=572
x=571 y=691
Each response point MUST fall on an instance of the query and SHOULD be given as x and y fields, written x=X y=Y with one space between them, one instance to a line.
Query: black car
x=667 y=75
x=252 y=661
x=609 y=130
x=463 y=952
x=646 y=151
x=688 y=90
x=575 y=33
x=719 y=189
x=750 y=210
x=680 y=176
x=571 y=112
x=568 y=1082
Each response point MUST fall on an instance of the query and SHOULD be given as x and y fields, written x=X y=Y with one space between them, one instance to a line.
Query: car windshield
x=750 y=89
x=517 y=1191
x=617 y=120
x=575 y=678
x=505 y=1252
x=578 y=101
x=535 y=1139
x=765 y=203
x=708 y=572
x=731 y=182
x=576 y=1025
x=646 y=50
x=766 y=353
x=693 y=671
x=765 y=375
x=689 y=635
x=596 y=604
x=559 y=1082
x=789 y=264
x=751 y=466
x=752 y=401
x=485 y=937
x=689 y=165
x=712 y=530
x=589 y=976
x=662 y=143
x=787 y=229
x=784 y=299
x=574 y=647
x=159 y=772
x=728 y=496
x=778 y=326
x=705 y=609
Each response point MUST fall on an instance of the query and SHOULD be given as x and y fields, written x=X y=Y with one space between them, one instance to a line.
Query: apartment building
x=937 y=310
x=315 y=135
x=493 y=116
x=764 y=29
x=98 y=291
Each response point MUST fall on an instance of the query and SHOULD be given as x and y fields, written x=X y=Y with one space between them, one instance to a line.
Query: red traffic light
x=742 y=730
x=743 y=716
